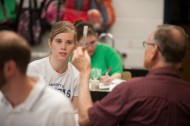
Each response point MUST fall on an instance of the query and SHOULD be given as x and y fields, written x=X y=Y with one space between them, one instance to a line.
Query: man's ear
x=154 y=52
x=9 y=68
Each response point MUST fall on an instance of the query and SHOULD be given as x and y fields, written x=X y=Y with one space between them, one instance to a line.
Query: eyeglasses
x=146 y=43
x=151 y=44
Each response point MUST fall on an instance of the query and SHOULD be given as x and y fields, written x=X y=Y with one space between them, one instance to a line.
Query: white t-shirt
x=67 y=82
x=42 y=107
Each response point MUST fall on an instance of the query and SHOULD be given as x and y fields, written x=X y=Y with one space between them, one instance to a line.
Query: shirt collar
x=32 y=98
x=166 y=71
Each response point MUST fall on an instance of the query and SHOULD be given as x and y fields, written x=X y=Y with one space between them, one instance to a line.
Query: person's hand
x=81 y=60
x=106 y=79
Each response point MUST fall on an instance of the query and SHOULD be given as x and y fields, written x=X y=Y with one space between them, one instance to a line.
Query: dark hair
x=79 y=25
x=14 y=47
x=62 y=27
x=172 y=41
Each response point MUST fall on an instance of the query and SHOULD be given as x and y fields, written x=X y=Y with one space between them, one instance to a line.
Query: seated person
x=161 y=98
x=56 y=69
x=103 y=56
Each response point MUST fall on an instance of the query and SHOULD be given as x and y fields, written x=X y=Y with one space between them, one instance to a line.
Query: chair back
x=126 y=75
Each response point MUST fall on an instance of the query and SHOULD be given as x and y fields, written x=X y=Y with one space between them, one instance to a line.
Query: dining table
x=103 y=90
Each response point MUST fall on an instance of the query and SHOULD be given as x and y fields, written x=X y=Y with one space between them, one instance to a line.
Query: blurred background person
x=26 y=100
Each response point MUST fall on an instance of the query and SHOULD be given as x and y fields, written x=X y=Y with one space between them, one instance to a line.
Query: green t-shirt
x=104 y=57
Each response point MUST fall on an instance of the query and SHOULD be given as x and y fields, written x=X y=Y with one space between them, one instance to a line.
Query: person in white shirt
x=56 y=69
x=26 y=100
